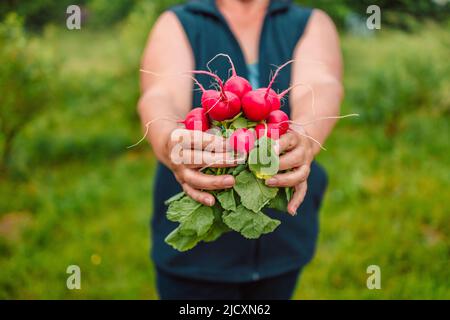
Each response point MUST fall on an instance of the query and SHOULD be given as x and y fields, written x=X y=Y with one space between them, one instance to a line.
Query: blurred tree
x=104 y=13
x=38 y=13
x=23 y=82
x=399 y=13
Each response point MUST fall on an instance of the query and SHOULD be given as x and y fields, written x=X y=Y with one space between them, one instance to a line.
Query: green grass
x=76 y=195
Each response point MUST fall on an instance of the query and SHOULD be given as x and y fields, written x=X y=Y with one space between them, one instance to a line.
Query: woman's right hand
x=187 y=152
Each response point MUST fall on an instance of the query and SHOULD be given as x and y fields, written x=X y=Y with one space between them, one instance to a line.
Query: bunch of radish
x=252 y=122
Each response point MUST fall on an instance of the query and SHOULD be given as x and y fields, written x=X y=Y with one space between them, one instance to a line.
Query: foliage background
x=71 y=193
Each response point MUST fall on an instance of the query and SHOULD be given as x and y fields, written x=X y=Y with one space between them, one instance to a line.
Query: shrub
x=104 y=13
x=394 y=83
x=37 y=13
x=23 y=82
x=398 y=13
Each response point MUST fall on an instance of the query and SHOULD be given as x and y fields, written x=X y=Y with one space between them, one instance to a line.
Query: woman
x=258 y=35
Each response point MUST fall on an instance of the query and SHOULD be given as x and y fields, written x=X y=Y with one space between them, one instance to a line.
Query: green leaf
x=210 y=171
x=248 y=223
x=195 y=227
x=173 y=198
x=263 y=161
x=180 y=241
x=238 y=169
x=226 y=199
x=218 y=228
x=198 y=222
x=280 y=201
x=239 y=123
x=253 y=192
x=179 y=209
x=216 y=123
x=227 y=133
x=289 y=192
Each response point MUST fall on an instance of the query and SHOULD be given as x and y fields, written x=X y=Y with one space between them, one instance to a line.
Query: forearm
x=308 y=109
x=158 y=114
x=319 y=66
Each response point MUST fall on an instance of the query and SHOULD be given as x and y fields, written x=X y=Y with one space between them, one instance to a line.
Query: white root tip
x=324 y=118
x=233 y=70
x=152 y=73
x=147 y=125
x=312 y=139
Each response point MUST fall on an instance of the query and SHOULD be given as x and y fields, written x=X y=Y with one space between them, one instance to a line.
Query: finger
x=292 y=159
x=199 y=196
x=201 y=159
x=199 y=180
x=297 y=198
x=194 y=139
x=288 y=141
x=289 y=179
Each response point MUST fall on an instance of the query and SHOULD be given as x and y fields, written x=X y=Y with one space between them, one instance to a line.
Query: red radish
x=279 y=119
x=257 y=104
x=274 y=98
x=196 y=119
x=242 y=140
x=220 y=108
x=272 y=131
x=235 y=84
x=220 y=105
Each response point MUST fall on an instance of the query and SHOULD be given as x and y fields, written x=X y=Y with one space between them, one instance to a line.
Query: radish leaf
x=198 y=222
x=173 y=198
x=218 y=227
x=226 y=199
x=263 y=161
x=181 y=242
x=248 y=223
x=253 y=192
x=179 y=209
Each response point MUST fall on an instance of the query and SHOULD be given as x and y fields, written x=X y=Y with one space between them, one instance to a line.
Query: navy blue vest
x=232 y=258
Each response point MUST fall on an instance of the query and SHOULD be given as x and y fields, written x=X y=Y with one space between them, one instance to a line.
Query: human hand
x=296 y=155
x=190 y=151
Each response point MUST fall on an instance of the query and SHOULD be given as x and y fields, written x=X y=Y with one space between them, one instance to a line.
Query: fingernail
x=228 y=181
x=271 y=181
x=209 y=201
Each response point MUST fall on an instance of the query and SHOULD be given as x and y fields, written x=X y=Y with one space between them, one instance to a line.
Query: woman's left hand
x=296 y=154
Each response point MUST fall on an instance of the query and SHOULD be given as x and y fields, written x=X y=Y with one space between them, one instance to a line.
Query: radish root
x=275 y=75
x=312 y=139
x=147 y=125
x=323 y=118
x=233 y=69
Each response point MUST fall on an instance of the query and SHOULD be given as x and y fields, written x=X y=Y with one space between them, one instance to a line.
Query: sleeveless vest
x=233 y=258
